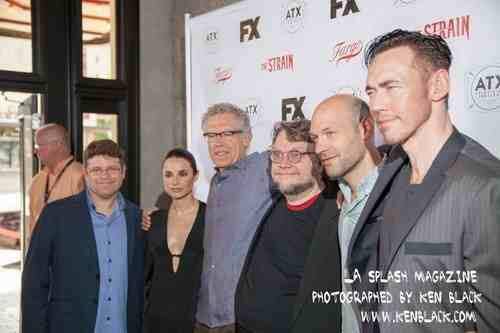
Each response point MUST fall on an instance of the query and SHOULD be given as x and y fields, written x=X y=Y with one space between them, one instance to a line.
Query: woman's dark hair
x=182 y=153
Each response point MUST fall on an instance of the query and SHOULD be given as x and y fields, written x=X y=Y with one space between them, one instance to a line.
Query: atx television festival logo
x=293 y=13
x=280 y=63
x=484 y=88
x=253 y=108
x=346 y=50
x=292 y=108
x=249 y=29
x=211 y=39
x=343 y=8
x=455 y=27
x=223 y=74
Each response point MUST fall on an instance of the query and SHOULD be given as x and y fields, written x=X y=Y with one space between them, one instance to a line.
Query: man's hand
x=146 y=218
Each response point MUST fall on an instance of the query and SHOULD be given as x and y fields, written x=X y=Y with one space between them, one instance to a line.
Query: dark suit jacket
x=60 y=280
x=322 y=274
x=322 y=271
x=453 y=226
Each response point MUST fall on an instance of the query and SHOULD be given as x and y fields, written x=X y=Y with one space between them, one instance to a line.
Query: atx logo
x=249 y=29
x=291 y=108
x=293 y=15
x=253 y=107
x=345 y=7
x=484 y=87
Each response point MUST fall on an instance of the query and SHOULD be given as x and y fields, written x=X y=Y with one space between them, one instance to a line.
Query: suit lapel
x=432 y=182
x=131 y=233
x=326 y=235
x=85 y=224
x=387 y=174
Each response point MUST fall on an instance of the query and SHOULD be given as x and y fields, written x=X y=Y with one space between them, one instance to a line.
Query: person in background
x=61 y=175
x=174 y=250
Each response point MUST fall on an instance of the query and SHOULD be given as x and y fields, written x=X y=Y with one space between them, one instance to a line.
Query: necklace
x=186 y=211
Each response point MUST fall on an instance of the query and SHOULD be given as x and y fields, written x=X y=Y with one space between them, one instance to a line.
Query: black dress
x=171 y=297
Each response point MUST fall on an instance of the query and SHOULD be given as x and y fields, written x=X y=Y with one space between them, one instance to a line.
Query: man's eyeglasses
x=292 y=156
x=44 y=144
x=223 y=134
x=112 y=171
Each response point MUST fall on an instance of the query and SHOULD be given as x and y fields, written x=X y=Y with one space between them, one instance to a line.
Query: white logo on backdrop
x=293 y=15
x=484 y=89
x=211 y=40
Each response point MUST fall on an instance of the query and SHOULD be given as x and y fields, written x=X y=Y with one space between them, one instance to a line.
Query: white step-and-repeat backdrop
x=277 y=59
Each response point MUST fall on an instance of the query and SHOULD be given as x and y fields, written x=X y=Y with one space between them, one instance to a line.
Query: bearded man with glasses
x=278 y=255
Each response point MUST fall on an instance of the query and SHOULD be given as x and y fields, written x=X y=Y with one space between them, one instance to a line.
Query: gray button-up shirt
x=239 y=197
x=349 y=216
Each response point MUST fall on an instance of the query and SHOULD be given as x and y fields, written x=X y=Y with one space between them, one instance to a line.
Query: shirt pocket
x=428 y=248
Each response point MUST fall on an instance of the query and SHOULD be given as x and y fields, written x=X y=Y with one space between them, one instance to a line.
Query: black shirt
x=276 y=268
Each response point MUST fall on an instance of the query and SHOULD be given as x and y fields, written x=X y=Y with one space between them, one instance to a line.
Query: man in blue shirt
x=240 y=194
x=87 y=275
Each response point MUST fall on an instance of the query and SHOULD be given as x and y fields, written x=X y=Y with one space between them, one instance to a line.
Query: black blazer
x=322 y=271
x=60 y=279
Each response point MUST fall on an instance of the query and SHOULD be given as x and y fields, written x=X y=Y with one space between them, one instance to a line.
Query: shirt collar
x=60 y=165
x=119 y=204
x=364 y=188
x=240 y=164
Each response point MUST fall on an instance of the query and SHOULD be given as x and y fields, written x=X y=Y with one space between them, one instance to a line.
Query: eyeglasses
x=44 y=144
x=292 y=156
x=97 y=172
x=223 y=134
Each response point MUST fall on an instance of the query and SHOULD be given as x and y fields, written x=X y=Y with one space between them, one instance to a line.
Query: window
x=99 y=126
x=15 y=36
x=99 y=39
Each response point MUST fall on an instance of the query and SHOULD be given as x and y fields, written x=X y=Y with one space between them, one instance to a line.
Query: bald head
x=342 y=130
x=52 y=143
x=345 y=105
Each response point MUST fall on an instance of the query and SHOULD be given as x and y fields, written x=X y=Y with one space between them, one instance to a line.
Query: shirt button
x=109 y=280
x=109 y=260
x=109 y=299
x=109 y=242
x=108 y=318
x=213 y=266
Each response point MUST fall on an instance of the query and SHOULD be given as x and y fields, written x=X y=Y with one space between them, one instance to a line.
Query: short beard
x=296 y=189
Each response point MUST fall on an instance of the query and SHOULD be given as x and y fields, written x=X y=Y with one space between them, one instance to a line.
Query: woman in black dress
x=174 y=250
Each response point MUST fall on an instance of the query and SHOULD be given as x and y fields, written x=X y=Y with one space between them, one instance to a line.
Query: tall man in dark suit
x=87 y=276
x=273 y=269
x=435 y=209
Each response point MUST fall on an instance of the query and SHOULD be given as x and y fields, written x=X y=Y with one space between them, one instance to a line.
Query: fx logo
x=249 y=28
x=291 y=108
x=347 y=6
